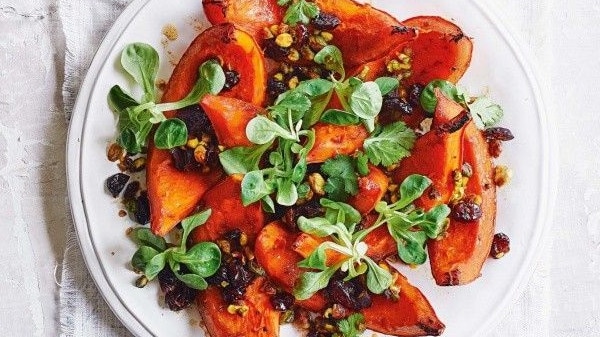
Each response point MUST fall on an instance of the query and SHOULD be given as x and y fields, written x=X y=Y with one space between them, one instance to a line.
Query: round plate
x=524 y=206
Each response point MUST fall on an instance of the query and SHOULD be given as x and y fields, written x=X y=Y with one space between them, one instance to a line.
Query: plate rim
x=549 y=168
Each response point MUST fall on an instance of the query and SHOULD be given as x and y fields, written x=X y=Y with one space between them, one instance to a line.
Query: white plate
x=524 y=206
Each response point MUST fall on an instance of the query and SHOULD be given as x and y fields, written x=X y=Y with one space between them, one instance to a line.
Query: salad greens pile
x=288 y=124
x=136 y=119
x=410 y=227
x=154 y=254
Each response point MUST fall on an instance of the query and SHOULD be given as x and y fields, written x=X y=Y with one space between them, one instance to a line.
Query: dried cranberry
x=116 y=183
x=392 y=104
x=142 y=209
x=183 y=159
x=275 y=88
x=500 y=245
x=178 y=295
x=309 y=209
x=466 y=211
x=233 y=277
x=498 y=133
x=274 y=51
x=351 y=294
x=301 y=35
x=495 y=148
x=326 y=21
x=131 y=190
x=282 y=301
x=414 y=94
x=455 y=123
x=232 y=78
x=195 y=120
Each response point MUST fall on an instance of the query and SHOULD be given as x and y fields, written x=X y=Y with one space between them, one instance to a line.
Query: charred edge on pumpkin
x=455 y=123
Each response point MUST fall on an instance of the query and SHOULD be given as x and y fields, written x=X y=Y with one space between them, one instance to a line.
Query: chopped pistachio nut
x=460 y=184
x=284 y=40
x=235 y=309
x=327 y=36
x=317 y=183
x=502 y=175
x=141 y=282
x=293 y=82
x=278 y=77
x=294 y=55
x=192 y=143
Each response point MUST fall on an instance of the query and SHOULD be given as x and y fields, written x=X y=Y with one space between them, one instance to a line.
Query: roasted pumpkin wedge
x=229 y=212
x=458 y=258
x=261 y=320
x=365 y=33
x=371 y=189
x=229 y=118
x=331 y=140
x=273 y=250
x=249 y=15
x=410 y=315
x=173 y=194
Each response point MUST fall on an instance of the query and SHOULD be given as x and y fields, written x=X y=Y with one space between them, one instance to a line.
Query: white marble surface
x=34 y=210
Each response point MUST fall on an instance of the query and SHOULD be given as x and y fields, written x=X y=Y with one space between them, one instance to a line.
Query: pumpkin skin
x=250 y=16
x=174 y=194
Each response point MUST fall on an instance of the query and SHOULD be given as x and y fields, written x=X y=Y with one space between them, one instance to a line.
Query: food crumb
x=112 y=253
x=122 y=213
x=194 y=322
x=161 y=84
x=170 y=32
x=128 y=231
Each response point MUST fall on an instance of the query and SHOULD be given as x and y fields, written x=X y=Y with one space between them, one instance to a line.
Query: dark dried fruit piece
x=178 y=295
x=351 y=294
x=274 y=51
x=456 y=123
x=309 y=209
x=326 y=21
x=414 y=94
x=142 y=209
x=500 y=246
x=275 y=88
x=232 y=78
x=498 y=133
x=116 y=183
x=282 y=301
x=131 y=190
x=195 y=120
x=392 y=103
x=466 y=211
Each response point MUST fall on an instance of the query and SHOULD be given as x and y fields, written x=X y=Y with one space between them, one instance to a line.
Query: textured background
x=34 y=210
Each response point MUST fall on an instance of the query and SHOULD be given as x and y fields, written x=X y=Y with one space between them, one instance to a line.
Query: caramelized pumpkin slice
x=410 y=315
x=229 y=212
x=229 y=118
x=274 y=253
x=249 y=15
x=261 y=320
x=331 y=140
x=458 y=258
x=173 y=194
x=371 y=189
x=365 y=33
x=442 y=50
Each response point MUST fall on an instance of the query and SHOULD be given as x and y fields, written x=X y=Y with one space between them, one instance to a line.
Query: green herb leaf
x=331 y=57
x=170 y=133
x=342 y=181
x=287 y=194
x=293 y=101
x=366 y=100
x=142 y=256
x=119 y=100
x=387 y=84
x=190 y=223
x=339 y=117
x=261 y=130
x=485 y=112
x=143 y=236
x=310 y=282
x=390 y=144
x=378 y=279
x=300 y=11
x=411 y=189
x=268 y=205
x=203 y=259
x=434 y=222
x=315 y=87
x=428 y=99
x=193 y=281
x=141 y=61
x=352 y=326
x=243 y=159
x=319 y=227
x=362 y=164
x=211 y=80
x=155 y=265
x=339 y=212
x=317 y=259
x=411 y=246
x=254 y=187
